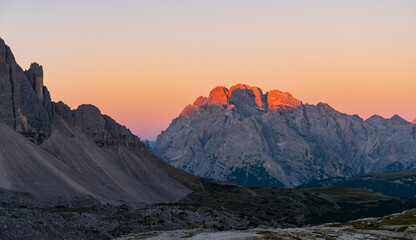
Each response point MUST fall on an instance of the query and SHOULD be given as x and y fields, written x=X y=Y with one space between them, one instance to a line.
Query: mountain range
x=48 y=149
x=272 y=139
x=78 y=174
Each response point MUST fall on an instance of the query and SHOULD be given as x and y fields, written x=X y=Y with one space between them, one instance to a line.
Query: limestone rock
x=258 y=93
x=278 y=100
x=24 y=106
x=49 y=150
x=90 y=119
x=35 y=75
x=6 y=92
x=219 y=94
x=248 y=98
x=282 y=143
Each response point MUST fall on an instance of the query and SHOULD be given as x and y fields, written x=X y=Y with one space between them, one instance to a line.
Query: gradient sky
x=141 y=62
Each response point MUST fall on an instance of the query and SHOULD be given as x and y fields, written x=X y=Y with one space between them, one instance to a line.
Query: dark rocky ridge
x=72 y=153
x=25 y=102
x=28 y=109
x=243 y=136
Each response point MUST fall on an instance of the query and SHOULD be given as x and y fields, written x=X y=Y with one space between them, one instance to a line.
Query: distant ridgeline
x=272 y=139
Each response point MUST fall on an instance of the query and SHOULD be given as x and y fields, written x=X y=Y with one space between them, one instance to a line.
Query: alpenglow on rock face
x=270 y=139
x=50 y=150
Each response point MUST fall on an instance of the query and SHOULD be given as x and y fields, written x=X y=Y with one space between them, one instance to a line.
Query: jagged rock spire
x=24 y=102
x=35 y=76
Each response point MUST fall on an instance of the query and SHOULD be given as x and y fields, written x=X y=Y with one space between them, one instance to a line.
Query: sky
x=142 y=62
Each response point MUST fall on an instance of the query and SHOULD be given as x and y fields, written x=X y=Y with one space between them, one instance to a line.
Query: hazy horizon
x=143 y=62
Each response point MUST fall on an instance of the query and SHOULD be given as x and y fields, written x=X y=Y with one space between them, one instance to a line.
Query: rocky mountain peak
x=245 y=96
x=277 y=100
x=25 y=102
x=49 y=150
x=375 y=119
x=90 y=118
x=397 y=119
x=2 y=50
x=219 y=94
x=258 y=93
x=35 y=76
x=281 y=142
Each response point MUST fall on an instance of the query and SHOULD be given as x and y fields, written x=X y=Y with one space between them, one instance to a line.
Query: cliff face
x=272 y=139
x=24 y=101
x=58 y=151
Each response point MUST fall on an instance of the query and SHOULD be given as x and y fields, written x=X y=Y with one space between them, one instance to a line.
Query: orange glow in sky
x=142 y=62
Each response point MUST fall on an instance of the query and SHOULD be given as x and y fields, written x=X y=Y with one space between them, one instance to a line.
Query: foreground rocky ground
x=397 y=226
x=221 y=210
